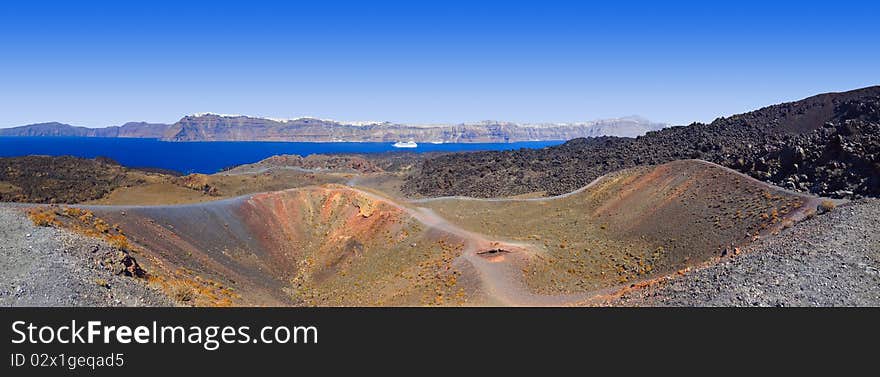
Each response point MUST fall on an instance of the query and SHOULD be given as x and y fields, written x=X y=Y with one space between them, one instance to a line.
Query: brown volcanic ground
x=70 y=180
x=329 y=245
x=631 y=225
x=65 y=179
x=338 y=245
x=197 y=188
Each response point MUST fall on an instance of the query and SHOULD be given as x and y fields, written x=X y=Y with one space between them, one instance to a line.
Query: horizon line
x=356 y=123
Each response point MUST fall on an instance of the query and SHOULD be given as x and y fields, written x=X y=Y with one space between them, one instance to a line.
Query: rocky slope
x=44 y=266
x=830 y=260
x=315 y=162
x=826 y=144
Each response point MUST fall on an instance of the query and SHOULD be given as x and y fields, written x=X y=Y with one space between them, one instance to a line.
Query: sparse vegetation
x=43 y=216
x=810 y=213
x=188 y=288
x=102 y=283
x=81 y=221
x=183 y=294
x=826 y=206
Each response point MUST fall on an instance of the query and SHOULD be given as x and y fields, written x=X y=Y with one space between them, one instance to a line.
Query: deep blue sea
x=210 y=157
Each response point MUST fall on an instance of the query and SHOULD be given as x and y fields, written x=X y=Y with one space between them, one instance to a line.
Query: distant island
x=218 y=127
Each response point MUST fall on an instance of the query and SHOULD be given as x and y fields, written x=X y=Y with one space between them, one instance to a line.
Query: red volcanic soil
x=311 y=246
x=330 y=225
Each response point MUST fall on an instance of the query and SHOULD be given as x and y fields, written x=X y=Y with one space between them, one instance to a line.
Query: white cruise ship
x=408 y=144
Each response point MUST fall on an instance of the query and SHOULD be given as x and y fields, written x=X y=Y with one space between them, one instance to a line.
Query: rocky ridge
x=215 y=127
x=826 y=145
x=130 y=129
x=830 y=260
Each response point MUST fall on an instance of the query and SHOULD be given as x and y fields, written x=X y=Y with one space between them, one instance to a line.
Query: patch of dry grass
x=188 y=288
x=827 y=206
x=81 y=221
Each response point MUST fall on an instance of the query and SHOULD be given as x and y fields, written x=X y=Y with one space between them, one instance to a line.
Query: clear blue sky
x=98 y=64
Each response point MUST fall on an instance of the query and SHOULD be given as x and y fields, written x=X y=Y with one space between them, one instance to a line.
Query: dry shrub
x=183 y=294
x=119 y=241
x=44 y=216
x=810 y=214
x=827 y=206
x=81 y=221
x=187 y=288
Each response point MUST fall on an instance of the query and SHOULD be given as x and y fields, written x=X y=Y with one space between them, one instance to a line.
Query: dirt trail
x=499 y=271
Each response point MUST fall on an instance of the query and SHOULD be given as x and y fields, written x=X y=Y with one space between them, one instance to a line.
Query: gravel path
x=42 y=266
x=830 y=260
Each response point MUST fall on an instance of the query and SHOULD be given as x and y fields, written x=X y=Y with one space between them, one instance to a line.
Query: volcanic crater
x=335 y=245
